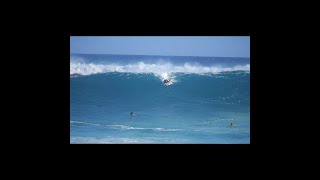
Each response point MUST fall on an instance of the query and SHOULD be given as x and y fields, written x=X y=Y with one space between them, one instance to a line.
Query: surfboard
x=168 y=83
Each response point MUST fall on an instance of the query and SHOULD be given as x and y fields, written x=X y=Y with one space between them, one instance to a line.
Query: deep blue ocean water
x=207 y=95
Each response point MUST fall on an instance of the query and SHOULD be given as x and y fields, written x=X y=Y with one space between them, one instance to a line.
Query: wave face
x=207 y=95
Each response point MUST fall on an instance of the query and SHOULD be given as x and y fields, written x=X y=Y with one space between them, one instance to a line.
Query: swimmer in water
x=132 y=114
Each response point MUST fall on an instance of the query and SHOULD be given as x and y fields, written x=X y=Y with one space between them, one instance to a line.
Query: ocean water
x=207 y=95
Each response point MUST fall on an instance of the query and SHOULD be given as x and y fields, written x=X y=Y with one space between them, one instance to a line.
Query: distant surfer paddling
x=167 y=82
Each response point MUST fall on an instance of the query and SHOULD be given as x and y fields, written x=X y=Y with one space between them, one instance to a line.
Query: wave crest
x=160 y=70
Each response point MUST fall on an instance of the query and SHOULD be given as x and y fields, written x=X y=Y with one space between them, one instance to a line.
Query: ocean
x=207 y=95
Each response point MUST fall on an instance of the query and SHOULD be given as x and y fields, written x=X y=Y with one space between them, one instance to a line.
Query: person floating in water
x=167 y=82
x=231 y=125
x=132 y=114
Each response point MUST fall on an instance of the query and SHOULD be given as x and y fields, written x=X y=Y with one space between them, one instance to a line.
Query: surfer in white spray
x=167 y=82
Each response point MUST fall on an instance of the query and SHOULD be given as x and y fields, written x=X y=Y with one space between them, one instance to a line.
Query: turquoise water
x=207 y=95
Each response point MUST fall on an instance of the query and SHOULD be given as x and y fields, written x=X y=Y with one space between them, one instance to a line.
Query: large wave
x=162 y=70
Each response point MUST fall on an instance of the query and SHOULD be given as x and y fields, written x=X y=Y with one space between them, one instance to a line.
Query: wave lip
x=162 y=71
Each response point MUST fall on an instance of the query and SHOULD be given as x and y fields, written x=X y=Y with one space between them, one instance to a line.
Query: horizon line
x=156 y=55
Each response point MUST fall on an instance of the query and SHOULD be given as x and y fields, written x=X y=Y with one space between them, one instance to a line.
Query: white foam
x=161 y=70
x=122 y=140
x=108 y=140
x=78 y=122
x=125 y=127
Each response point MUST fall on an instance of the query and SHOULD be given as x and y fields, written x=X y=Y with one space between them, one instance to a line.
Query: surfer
x=167 y=82
x=231 y=125
x=132 y=114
